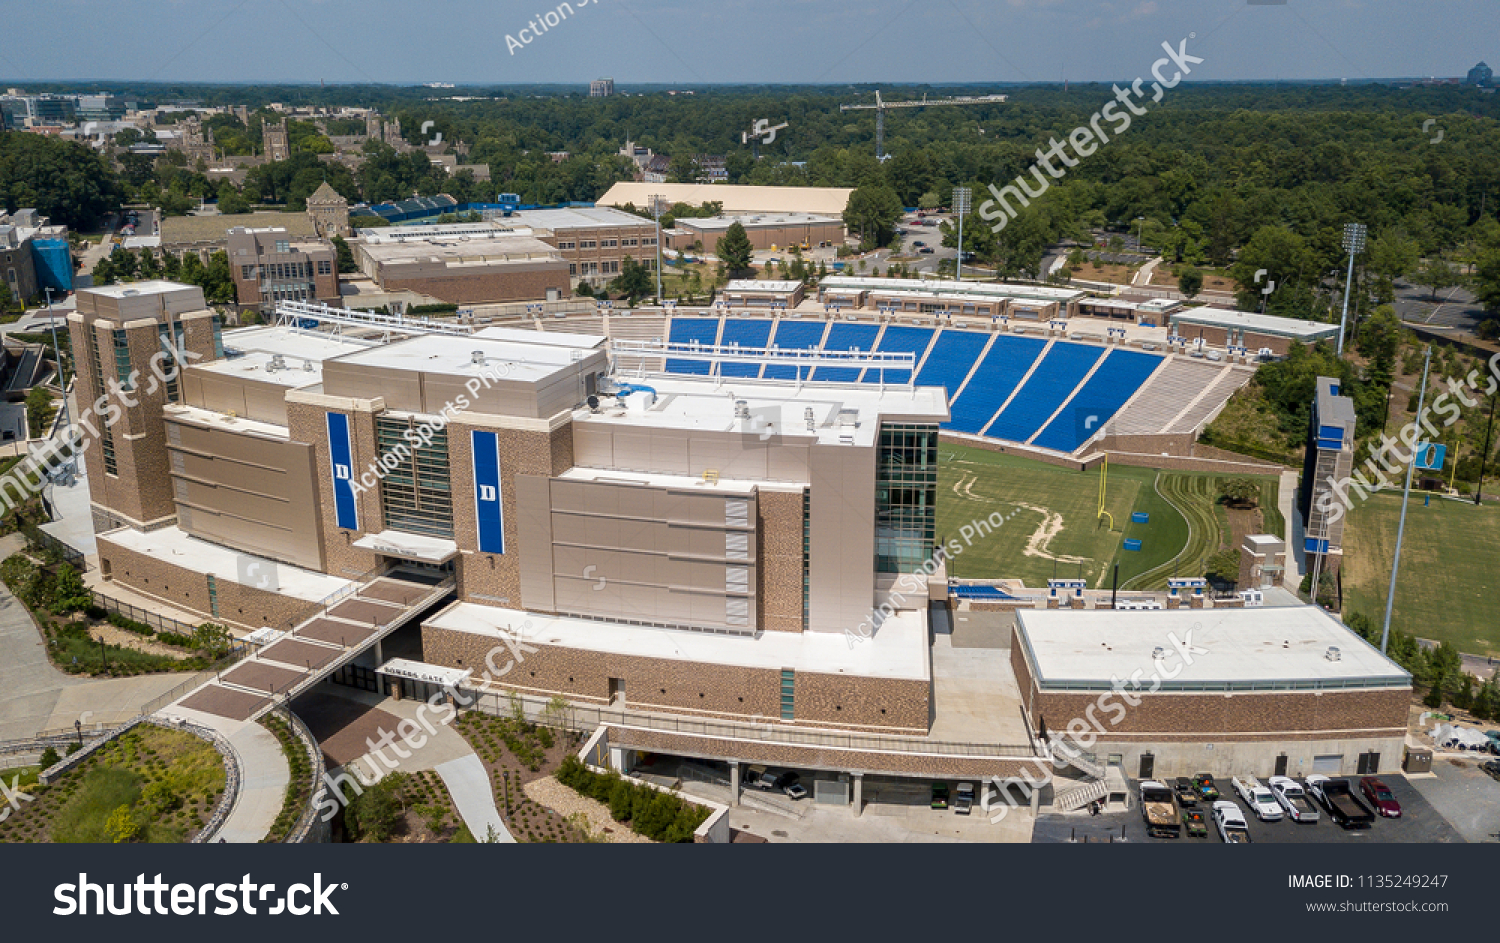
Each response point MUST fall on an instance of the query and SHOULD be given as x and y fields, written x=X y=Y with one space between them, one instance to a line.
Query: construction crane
x=880 y=107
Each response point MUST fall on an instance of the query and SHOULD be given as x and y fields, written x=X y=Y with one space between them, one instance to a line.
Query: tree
x=682 y=169
x=65 y=181
x=872 y=212
x=345 y=256
x=734 y=249
x=634 y=282
x=1240 y=492
x=121 y=826
x=1223 y=566
x=1379 y=339
x=1391 y=256
x=1436 y=274
x=49 y=758
x=929 y=201
x=1190 y=282
x=39 y=411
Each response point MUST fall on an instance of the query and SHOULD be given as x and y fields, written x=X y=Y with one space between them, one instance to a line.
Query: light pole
x=961 y=198
x=1390 y=598
x=1354 y=243
x=656 y=201
x=1484 y=455
x=1139 y=220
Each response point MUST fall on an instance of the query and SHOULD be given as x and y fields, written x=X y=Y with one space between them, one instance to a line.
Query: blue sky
x=739 y=41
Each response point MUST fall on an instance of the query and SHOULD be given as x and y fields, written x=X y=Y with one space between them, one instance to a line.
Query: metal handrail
x=299 y=831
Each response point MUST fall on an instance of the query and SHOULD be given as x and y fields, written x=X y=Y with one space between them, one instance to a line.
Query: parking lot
x=1420 y=822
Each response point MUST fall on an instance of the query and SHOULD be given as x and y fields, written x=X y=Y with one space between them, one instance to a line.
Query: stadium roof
x=1258 y=323
x=737 y=200
x=941 y=286
x=1261 y=649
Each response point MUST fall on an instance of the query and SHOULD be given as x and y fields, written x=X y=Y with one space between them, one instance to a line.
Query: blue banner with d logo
x=341 y=453
x=485 y=447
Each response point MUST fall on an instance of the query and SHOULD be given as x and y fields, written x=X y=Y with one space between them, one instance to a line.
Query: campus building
x=268 y=266
x=934 y=295
x=34 y=256
x=1264 y=334
x=766 y=231
x=1282 y=691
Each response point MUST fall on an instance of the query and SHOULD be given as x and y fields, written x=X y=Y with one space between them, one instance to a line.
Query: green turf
x=1186 y=525
x=1450 y=569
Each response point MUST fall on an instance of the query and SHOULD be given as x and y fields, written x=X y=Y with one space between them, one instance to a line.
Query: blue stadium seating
x=1052 y=382
x=747 y=333
x=953 y=355
x=981 y=592
x=794 y=335
x=1100 y=398
x=687 y=330
x=899 y=340
x=1001 y=369
x=843 y=336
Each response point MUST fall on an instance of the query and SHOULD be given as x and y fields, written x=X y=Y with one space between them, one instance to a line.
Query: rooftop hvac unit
x=477 y=357
x=277 y=363
x=741 y=409
x=1332 y=653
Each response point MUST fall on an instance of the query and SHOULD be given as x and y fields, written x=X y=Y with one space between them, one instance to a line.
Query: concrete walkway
x=447 y=753
x=1143 y=274
x=1286 y=502
x=468 y=782
x=264 y=775
x=30 y=683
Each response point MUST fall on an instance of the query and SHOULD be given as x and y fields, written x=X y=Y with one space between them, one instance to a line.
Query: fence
x=44 y=542
x=585 y=718
x=136 y=614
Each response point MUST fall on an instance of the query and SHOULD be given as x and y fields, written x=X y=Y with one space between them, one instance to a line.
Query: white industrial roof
x=177 y=547
x=751 y=284
x=945 y=286
x=1278 y=648
x=898 y=648
x=1260 y=323
x=293 y=342
x=735 y=199
x=437 y=353
x=261 y=366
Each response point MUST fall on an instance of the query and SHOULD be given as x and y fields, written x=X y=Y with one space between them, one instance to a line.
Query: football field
x=1053 y=527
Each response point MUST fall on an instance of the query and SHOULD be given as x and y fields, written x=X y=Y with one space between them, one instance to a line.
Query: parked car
x=940 y=795
x=919 y=243
x=1159 y=811
x=1257 y=798
x=1298 y=807
x=792 y=786
x=1492 y=767
x=1380 y=796
x=1187 y=796
x=1231 y=823
x=1194 y=823
x=963 y=802
x=927 y=250
x=1207 y=791
x=1494 y=738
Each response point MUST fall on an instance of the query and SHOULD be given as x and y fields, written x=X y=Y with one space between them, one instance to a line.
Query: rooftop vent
x=1158 y=653
x=812 y=422
x=307 y=366
x=741 y=409
x=1333 y=653
x=278 y=362
x=477 y=357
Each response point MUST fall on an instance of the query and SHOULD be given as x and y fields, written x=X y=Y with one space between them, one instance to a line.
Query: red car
x=1380 y=797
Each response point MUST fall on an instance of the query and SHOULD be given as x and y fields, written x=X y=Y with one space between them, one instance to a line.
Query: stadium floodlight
x=1354 y=244
x=1390 y=599
x=961 y=198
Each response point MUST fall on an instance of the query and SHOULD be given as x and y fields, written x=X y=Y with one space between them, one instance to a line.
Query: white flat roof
x=175 y=546
x=1261 y=323
x=721 y=486
x=776 y=408
x=421 y=671
x=757 y=220
x=257 y=365
x=576 y=217
x=218 y=420
x=294 y=342
x=751 y=284
x=1272 y=648
x=541 y=338
x=437 y=353
x=410 y=546
x=898 y=649
x=947 y=286
x=133 y=289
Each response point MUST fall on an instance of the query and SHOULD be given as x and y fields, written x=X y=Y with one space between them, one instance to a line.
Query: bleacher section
x=1098 y=399
x=686 y=330
x=1024 y=389
x=746 y=332
x=843 y=336
x=1007 y=361
x=952 y=357
x=1049 y=385
x=1177 y=385
x=1211 y=399
x=575 y=325
x=899 y=340
x=793 y=335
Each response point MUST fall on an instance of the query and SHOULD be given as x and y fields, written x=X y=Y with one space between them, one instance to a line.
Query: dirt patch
x=114 y=635
x=1051 y=526
x=510 y=774
x=1119 y=274
x=567 y=803
x=1242 y=523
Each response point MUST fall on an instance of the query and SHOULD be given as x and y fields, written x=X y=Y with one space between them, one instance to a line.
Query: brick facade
x=240 y=606
x=779 y=525
x=488 y=287
x=308 y=422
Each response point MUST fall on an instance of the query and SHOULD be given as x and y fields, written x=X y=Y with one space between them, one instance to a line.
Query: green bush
x=49 y=758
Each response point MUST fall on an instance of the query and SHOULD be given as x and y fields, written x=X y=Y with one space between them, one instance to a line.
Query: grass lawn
x=1449 y=573
x=1052 y=526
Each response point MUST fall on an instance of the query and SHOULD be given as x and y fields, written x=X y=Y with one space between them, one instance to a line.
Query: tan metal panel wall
x=842 y=560
x=534 y=530
x=401 y=389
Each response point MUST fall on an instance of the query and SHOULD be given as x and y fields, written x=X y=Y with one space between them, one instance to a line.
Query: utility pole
x=1390 y=598
x=1354 y=243
x=961 y=198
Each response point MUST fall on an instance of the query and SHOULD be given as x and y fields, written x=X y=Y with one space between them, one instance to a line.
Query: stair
x=1083 y=762
x=1071 y=800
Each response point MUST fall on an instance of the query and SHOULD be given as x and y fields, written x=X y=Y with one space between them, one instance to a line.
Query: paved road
x=31 y=685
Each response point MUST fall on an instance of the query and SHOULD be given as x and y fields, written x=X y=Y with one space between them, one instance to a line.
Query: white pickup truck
x=1258 y=798
x=1298 y=807
x=1231 y=823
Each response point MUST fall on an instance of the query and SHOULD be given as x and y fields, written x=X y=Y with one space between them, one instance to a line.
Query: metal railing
x=40 y=540
x=144 y=616
x=587 y=718
x=299 y=832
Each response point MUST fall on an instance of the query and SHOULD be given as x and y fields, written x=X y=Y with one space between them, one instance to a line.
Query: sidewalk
x=264 y=775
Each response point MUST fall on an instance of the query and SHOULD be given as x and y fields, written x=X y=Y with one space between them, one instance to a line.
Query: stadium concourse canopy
x=736 y=200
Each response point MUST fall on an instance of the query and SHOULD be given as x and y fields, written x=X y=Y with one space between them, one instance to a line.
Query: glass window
x=905 y=496
x=416 y=494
